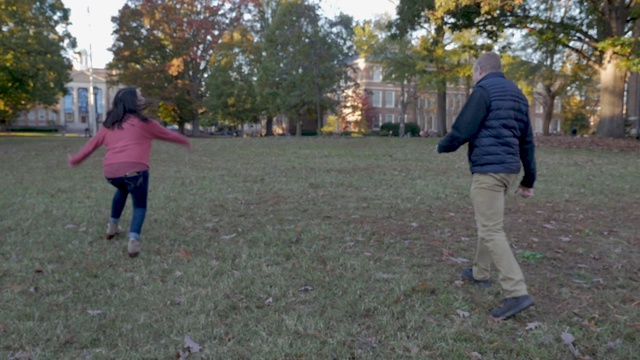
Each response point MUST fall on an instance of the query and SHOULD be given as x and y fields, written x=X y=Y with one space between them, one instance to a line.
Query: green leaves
x=33 y=68
x=165 y=48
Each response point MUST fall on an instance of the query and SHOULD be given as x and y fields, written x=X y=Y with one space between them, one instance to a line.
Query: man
x=495 y=123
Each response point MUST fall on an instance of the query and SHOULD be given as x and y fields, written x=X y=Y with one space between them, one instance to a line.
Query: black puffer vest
x=495 y=149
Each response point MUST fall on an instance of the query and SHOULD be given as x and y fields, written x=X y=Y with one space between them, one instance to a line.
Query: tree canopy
x=601 y=33
x=165 y=48
x=33 y=69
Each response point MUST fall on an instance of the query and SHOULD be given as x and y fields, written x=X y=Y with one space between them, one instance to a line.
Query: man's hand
x=524 y=192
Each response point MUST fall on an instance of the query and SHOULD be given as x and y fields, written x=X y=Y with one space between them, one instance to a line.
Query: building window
x=375 y=122
x=68 y=101
x=377 y=73
x=32 y=115
x=98 y=100
x=390 y=99
x=68 y=117
x=377 y=98
x=83 y=101
x=42 y=114
x=389 y=118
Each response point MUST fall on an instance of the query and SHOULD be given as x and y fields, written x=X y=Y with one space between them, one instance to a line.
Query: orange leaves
x=175 y=66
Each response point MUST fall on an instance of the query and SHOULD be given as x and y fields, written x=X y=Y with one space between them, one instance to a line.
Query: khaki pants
x=488 y=195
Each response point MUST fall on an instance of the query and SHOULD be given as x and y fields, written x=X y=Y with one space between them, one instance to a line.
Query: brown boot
x=113 y=230
x=134 y=247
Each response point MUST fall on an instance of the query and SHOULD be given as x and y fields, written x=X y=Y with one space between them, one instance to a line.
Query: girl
x=127 y=135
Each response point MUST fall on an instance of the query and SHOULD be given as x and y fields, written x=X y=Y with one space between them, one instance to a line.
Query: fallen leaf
x=463 y=314
x=422 y=286
x=475 y=355
x=367 y=344
x=459 y=260
x=68 y=340
x=635 y=325
x=447 y=253
x=459 y=282
x=590 y=324
x=269 y=301
x=177 y=301
x=613 y=344
x=227 y=237
x=568 y=340
x=15 y=288
x=20 y=355
x=71 y=226
x=193 y=346
x=94 y=312
x=33 y=289
x=305 y=288
x=533 y=325
x=39 y=270
x=178 y=274
x=184 y=254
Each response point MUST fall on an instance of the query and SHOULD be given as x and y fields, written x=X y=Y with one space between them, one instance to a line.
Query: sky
x=93 y=28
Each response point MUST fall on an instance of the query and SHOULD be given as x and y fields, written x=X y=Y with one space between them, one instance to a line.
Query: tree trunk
x=195 y=127
x=269 y=126
x=298 y=127
x=319 y=109
x=403 y=108
x=549 y=100
x=612 y=81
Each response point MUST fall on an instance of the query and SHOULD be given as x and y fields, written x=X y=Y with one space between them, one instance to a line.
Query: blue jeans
x=136 y=184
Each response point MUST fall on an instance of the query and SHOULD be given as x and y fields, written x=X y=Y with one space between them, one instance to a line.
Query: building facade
x=72 y=113
x=385 y=101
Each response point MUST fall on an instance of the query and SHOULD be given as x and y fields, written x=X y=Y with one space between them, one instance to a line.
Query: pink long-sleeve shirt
x=129 y=148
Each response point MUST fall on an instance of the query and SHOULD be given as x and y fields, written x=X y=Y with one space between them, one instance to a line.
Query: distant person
x=574 y=132
x=495 y=123
x=127 y=135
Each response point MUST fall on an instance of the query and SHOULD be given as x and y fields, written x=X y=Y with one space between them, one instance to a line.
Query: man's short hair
x=489 y=62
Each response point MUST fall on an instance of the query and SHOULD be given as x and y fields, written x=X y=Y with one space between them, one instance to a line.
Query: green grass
x=237 y=228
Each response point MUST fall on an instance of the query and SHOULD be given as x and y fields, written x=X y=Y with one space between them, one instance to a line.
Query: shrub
x=412 y=128
x=409 y=128
x=386 y=128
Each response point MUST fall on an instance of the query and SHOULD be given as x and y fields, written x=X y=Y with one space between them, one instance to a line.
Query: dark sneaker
x=511 y=306
x=467 y=274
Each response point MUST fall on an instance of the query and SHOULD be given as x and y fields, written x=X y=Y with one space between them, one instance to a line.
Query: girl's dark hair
x=124 y=103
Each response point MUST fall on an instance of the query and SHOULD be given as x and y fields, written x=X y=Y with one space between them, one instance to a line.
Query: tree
x=599 y=32
x=33 y=68
x=304 y=59
x=399 y=58
x=231 y=87
x=442 y=60
x=165 y=48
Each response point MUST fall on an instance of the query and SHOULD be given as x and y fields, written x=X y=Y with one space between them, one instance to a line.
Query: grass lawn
x=312 y=248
